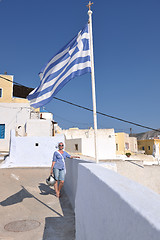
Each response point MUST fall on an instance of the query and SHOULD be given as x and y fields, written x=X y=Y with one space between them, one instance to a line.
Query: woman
x=58 y=167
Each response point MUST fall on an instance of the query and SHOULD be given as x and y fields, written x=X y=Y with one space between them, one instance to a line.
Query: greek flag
x=71 y=61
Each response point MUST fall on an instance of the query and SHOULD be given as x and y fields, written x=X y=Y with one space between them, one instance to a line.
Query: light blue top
x=57 y=158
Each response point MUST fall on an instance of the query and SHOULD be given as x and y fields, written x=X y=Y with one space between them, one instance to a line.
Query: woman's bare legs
x=56 y=188
x=60 y=186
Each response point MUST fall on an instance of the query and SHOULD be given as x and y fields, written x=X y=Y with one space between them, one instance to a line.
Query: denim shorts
x=59 y=174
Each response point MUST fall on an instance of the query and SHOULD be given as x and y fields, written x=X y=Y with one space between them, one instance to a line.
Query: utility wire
x=72 y=121
x=12 y=81
x=88 y=109
x=106 y=115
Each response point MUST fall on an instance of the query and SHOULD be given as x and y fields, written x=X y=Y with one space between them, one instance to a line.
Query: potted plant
x=128 y=154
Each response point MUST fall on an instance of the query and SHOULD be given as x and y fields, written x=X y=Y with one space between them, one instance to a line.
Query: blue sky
x=126 y=52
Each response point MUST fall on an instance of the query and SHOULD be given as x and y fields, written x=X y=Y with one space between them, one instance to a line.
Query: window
x=0 y=92
x=142 y=148
x=2 y=131
x=76 y=147
x=116 y=146
x=149 y=147
x=126 y=146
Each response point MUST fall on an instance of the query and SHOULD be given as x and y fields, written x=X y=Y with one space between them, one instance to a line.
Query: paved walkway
x=26 y=202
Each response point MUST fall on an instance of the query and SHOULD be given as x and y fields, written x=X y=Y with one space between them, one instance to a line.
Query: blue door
x=2 y=131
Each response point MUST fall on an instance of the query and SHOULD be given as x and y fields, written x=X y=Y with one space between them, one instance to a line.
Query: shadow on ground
x=45 y=189
x=61 y=228
x=16 y=198
x=21 y=195
x=56 y=228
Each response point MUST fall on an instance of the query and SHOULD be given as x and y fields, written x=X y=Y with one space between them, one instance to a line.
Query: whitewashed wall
x=70 y=145
x=133 y=144
x=12 y=115
x=106 y=144
x=47 y=115
x=71 y=178
x=25 y=153
x=39 y=127
x=105 y=138
x=110 y=206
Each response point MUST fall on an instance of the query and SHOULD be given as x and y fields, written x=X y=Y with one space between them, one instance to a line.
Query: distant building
x=125 y=144
x=149 y=146
x=82 y=141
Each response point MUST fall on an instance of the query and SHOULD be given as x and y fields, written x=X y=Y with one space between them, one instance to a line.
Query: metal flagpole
x=93 y=80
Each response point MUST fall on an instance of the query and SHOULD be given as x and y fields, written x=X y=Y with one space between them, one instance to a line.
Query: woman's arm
x=69 y=156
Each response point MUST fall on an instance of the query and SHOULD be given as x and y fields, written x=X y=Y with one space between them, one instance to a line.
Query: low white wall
x=110 y=206
x=25 y=153
x=70 y=184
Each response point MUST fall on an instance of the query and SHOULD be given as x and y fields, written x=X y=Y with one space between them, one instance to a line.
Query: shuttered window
x=2 y=131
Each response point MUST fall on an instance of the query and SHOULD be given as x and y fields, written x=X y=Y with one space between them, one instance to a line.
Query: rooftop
x=27 y=197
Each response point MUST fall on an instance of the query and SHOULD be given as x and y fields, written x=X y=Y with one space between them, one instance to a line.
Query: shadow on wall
x=61 y=228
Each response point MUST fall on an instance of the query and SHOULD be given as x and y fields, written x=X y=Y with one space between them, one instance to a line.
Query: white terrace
x=107 y=206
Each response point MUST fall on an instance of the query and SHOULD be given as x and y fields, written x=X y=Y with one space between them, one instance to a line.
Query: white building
x=82 y=141
x=26 y=133
x=21 y=118
x=13 y=116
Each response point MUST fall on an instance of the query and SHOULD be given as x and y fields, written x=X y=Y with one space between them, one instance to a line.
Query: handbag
x=50 y=180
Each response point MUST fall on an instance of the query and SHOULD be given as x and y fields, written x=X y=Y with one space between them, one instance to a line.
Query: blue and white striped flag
x=71 y=61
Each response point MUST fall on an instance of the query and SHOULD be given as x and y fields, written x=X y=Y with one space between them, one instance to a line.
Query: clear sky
x=126 y=52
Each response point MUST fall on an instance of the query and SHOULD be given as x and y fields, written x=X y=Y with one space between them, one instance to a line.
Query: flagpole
x=93 y=82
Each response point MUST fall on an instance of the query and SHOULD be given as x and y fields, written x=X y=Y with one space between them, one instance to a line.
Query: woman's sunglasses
x=61 y=145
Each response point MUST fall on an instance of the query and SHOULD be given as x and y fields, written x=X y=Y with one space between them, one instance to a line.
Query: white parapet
x=110 y=206
x=71 y=178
